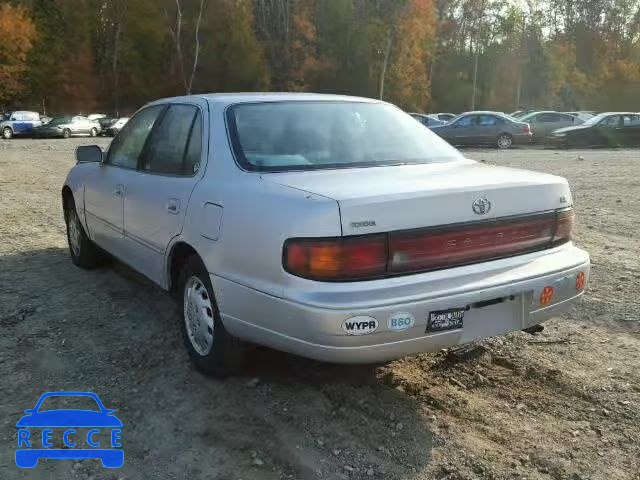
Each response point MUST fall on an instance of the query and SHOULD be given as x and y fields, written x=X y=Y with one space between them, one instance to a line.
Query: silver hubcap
x=198 y=316
x=6 y=133
x=74 y=232
x=504 y=142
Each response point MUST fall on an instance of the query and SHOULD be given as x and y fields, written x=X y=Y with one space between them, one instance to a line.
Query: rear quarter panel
x=255 y=218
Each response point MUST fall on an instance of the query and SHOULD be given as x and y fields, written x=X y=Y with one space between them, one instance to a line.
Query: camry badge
x=481 y=206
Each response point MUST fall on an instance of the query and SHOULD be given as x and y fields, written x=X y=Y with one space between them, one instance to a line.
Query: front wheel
x=66 y=133
x=93 y=132
x=7 y=133
x=212 y=349
x=504 y=141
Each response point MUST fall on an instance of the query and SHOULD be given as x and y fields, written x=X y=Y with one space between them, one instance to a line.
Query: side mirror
x=89 y=154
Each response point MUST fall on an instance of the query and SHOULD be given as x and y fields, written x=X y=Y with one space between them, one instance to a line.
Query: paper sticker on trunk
x=360 y=325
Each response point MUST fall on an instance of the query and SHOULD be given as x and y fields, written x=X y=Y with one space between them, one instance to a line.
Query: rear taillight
x=526 y=128
x=395 y=253
x=429 y=250
x=344 y=258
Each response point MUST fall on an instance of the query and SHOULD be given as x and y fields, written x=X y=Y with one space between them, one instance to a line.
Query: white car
x=336 y=228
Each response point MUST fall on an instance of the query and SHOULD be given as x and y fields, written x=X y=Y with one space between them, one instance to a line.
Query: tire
x=84 y=253
x=504 y=141
x=66 y=133
x=7 y=133
x=211 y=348
x=93 y=132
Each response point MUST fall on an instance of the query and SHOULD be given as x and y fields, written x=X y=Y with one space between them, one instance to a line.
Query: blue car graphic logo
x=36 y=430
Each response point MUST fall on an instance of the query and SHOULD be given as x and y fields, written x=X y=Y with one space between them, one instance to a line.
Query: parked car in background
x=19 y=123
x=520 y=113
x=611 y=129
x=584 y=116
x=485 y=128
x=445 y=117
x=116 y=126
x=544 y=122
x=66 y=127
x=377 y=239
x=427 y=120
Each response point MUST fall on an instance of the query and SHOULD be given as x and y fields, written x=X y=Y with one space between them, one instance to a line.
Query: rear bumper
x=312 y=325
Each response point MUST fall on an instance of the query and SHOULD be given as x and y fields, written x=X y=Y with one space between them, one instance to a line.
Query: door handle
x=173 y=206
x=119 y=190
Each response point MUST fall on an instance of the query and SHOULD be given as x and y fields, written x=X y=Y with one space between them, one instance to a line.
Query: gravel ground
x=562 y=404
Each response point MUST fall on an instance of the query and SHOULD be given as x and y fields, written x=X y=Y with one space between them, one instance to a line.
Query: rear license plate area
x=450 y=319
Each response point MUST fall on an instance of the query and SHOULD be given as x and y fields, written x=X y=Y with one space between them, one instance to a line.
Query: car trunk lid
x=387 y=199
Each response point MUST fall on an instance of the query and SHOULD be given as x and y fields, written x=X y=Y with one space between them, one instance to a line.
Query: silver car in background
x=65 y=127
x=336 y=228
x=544 y=123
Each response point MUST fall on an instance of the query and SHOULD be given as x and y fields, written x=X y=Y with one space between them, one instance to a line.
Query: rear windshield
x=301 y=135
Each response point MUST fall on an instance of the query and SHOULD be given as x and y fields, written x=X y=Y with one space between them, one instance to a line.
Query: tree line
x=81 y=56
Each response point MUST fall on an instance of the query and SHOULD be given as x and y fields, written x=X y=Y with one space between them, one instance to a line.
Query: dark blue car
x=28 y=456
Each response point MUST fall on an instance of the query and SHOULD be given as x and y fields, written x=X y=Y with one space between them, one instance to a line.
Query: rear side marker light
x=546 y=295
x=580 y=279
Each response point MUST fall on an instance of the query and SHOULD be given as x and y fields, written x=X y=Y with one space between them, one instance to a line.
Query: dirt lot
x=563 y=404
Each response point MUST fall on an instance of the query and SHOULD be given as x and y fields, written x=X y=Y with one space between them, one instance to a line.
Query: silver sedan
x=336 y=228
x=66 y=127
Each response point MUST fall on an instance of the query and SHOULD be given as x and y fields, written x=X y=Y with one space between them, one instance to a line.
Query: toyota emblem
x=481 y=206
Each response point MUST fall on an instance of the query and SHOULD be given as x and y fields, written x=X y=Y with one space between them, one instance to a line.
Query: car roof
x=252 y=97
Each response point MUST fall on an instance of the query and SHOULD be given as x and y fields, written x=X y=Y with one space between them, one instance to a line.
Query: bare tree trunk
x=176 y=34
x=384 y=63
x=197 y=49
x=116 y=56
x=475 y=78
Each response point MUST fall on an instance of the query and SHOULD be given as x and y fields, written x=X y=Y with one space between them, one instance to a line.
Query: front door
x=158 y=194
x=106 y=189
x=461 y=131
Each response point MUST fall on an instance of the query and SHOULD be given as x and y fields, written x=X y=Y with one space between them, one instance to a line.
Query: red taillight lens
x=345 y=258
x=425 y=251
x=395 y=253
x=526 y=128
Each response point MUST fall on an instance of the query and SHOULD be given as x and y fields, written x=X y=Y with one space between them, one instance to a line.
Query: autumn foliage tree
x=18 y=33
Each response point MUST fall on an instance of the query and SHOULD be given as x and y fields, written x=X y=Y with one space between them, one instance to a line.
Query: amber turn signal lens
x=546 y=295
x=580 y=278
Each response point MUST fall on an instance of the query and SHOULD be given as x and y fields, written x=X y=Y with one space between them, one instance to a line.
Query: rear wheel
x=66 y=133
x=7 y=133
x=84 y=253
x=504 y=141
x=93 y=132
x=212 y=349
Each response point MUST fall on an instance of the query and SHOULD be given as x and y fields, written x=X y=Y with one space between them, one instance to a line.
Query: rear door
x=158 y=193
x=629 y=131
x=487 y=129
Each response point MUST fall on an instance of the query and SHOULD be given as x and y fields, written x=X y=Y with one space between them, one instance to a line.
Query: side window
x=17 y=116
x=466 y=121
x=194 y=150
x=166 y=152
x=127 y=146
x=548 y=117
x=611 y=121
x=487 y=121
